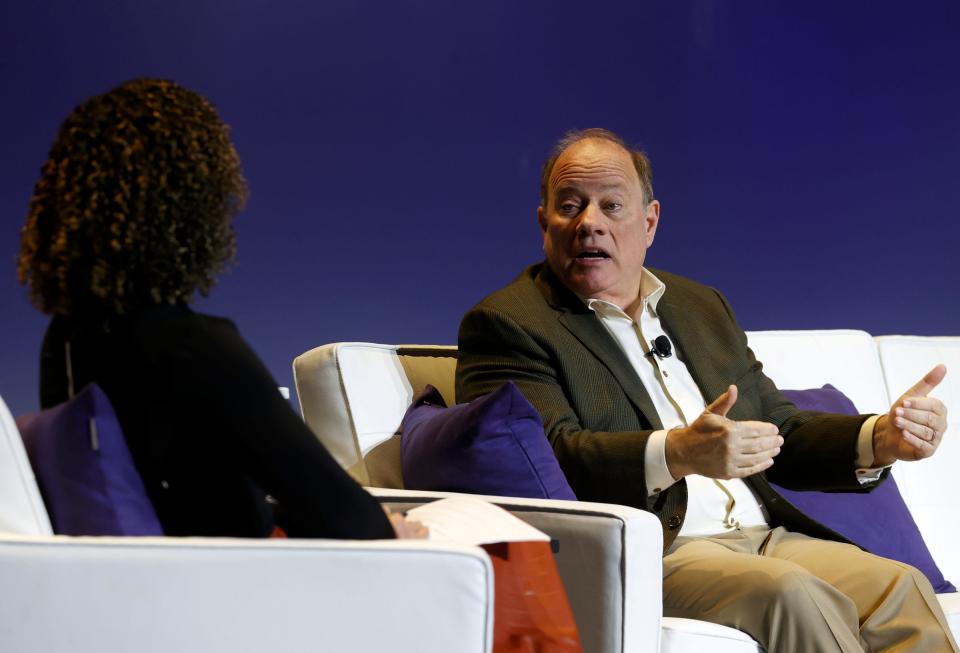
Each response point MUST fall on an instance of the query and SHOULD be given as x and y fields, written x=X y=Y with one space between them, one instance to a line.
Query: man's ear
x=651 y=220
x=541 y=219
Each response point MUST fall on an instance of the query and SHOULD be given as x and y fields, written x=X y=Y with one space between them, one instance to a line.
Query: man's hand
x=716 y=447
x=913 y=428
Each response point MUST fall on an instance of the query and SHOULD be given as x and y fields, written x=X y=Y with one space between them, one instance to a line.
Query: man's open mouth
x=588 y=254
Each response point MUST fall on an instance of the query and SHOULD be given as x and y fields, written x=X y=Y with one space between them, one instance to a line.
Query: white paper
x=468 y=520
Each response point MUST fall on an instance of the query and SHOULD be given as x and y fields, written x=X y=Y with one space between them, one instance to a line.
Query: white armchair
x=353 y=396
x=219 y=595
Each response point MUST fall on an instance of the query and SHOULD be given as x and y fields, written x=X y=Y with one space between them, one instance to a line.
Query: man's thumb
x=722 y=404
x=931 y=380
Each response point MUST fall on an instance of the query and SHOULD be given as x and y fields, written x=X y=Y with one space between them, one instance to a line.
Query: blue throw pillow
x=493 y=445
x=879 y=521
x=84 y=469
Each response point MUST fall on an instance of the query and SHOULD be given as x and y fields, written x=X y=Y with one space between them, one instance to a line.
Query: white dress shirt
x=678 y=402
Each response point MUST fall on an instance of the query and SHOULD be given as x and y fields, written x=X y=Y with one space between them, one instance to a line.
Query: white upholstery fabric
x=609 y=558
x=316 y=373
x=354 y=394
x=704 y=637
x=951 y=607
x=377 y=390
x=798 y=360
x=156 y=595
x=21 y=507
x=929 y=486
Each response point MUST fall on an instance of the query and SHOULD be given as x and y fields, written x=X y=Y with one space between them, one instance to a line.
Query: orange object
x=531 y=613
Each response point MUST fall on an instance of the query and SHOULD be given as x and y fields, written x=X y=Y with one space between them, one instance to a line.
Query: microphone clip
x=660 y=347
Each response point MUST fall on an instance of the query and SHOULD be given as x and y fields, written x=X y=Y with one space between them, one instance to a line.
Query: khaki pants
x=794 y=593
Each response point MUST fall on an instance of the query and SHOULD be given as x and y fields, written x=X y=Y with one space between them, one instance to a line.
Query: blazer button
x=674 y=522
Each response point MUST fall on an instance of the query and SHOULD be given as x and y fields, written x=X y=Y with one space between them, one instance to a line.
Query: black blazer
x=207 y=427
x=598 y=415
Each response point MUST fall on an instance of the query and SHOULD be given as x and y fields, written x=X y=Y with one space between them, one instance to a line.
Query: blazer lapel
x=587 y=328
x=682 y=324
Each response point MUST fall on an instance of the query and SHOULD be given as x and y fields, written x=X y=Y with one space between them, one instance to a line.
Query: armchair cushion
x=878 y=520
x=84 y=469
x=229 y=595
x=492 y=445
x=21 y=506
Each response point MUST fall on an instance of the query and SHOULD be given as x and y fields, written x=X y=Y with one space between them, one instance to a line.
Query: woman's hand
x=406 y=529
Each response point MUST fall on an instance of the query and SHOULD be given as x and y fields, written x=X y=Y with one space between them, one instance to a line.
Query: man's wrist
x=676 y=464
x=880 y=457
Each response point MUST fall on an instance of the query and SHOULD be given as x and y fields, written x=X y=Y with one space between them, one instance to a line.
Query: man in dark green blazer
x=651 y=398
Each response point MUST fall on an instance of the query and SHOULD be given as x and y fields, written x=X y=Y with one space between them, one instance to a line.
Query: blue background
x=806 y=154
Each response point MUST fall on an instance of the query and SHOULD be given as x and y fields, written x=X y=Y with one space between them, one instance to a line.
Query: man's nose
x=592 y=220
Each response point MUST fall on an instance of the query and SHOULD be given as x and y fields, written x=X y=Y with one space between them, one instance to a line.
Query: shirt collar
x=651 y=290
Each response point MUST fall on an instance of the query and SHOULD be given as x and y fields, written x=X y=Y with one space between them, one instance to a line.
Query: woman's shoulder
x=175 y=323
x=180 y=331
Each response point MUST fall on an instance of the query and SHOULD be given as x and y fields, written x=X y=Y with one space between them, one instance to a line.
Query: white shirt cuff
x=655 y=468
x=866 y=473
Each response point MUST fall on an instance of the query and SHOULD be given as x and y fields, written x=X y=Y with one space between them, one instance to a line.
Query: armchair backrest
x=874 y=372
x=844 y=358
x=353 y=396
x=21 y=506
x=929 y=486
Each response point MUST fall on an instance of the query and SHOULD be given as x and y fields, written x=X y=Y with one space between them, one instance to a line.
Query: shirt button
x=657 y=490
x=665 y=373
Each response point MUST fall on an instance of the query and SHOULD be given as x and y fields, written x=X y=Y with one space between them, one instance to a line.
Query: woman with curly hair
x=130 y=219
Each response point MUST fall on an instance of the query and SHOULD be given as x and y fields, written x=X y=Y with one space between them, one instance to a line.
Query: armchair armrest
x=610 y=560
x=194 y=595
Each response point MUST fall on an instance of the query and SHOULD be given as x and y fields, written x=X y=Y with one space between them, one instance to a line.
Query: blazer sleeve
x=819 y=450
x=259 y=432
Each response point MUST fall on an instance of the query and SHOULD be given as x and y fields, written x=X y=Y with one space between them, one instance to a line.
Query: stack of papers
x=468 y=520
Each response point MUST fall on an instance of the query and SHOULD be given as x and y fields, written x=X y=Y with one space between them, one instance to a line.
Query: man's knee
x=919 y=579
x=884 y=574
x=795 y=594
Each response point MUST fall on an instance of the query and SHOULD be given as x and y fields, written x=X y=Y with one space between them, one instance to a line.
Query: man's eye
x=614 y=206
x=569 y=207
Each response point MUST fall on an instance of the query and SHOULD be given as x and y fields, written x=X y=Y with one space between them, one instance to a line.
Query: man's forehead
x=574 y=184
x=593 y=160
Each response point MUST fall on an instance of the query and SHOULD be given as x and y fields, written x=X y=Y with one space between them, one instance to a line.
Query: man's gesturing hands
x=716 y=447
x=915 y=424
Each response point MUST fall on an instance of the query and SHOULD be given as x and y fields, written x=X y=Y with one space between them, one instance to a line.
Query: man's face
x=596 y=224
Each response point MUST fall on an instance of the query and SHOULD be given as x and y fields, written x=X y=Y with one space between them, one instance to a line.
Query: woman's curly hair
x=134 y=205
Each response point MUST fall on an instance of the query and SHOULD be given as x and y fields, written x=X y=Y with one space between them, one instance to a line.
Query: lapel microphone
x=660 y=347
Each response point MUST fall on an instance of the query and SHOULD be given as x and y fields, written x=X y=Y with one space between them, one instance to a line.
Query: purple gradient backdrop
x=806 y=155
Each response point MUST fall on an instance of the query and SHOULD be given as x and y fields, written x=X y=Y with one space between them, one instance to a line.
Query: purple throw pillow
x=84 y=469
x=879 y=521
x=493 y=445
